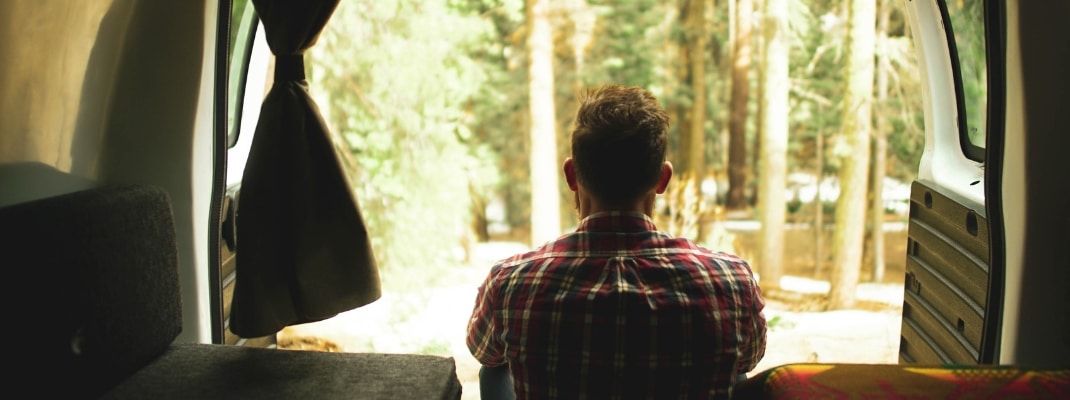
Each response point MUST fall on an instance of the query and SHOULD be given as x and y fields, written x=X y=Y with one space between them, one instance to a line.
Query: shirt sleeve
x=484 y=326
x=753 y=348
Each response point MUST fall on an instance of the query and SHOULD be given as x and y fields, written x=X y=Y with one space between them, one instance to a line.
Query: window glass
x=967 y=22
x=243 y=22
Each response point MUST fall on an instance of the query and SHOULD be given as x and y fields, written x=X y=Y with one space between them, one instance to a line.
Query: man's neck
x=588 y=206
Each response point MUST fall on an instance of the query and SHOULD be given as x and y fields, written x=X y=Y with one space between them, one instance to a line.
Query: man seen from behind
x=618 y=309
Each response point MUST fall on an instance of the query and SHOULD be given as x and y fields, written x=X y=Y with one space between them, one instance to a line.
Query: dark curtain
x=303 y=252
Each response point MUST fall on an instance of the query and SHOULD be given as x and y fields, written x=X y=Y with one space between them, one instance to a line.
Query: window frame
x=970 y=150
x=243 y=29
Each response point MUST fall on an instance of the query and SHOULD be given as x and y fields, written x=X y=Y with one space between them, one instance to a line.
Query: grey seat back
x=93 y=285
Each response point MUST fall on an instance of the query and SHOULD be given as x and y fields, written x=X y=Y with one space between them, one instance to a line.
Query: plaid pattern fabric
x=618 y=309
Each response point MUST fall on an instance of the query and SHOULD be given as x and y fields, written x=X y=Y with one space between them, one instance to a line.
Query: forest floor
x=432 y=321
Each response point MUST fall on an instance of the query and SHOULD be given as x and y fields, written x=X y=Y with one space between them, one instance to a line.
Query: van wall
x=120 y=91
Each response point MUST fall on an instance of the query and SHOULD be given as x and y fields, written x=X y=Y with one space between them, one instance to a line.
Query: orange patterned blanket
x=880 y=381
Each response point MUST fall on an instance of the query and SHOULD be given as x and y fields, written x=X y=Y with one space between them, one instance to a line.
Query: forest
x=453 y=118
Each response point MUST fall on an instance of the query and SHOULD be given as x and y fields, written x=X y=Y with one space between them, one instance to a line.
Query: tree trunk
x=578 y=42
x=880 y=147
x=670 y=81
x=697 y=34
x=545 y=203
x=681 y=214
x=856 y=128
x=773 y=176
x=683 y=76
x=759 y=108
x=697 y=145
x=880 y=141
x=737 y=125
x=819 y=204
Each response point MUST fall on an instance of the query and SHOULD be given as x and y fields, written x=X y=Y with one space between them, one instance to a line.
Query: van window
x=243 y=23
x=964 y=21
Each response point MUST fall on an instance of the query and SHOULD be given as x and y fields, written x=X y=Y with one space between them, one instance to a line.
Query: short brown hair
x=618 y=142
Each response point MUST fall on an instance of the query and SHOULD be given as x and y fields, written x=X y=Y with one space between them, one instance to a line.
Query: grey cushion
x=94 y=282
x=206 y=371
x=94 y=286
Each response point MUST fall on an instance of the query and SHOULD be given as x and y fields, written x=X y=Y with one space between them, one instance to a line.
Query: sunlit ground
x=431 y=320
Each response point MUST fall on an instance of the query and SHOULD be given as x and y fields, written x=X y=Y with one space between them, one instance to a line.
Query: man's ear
x=570 y=174
x=663 y=181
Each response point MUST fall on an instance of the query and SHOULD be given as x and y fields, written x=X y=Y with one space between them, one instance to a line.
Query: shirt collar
x=617 y=221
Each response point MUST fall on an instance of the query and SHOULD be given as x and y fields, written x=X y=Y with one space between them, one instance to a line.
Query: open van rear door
x=987 y=265
x=954 y=270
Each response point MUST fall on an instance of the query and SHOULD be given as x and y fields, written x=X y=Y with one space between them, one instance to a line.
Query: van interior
x=132 y=132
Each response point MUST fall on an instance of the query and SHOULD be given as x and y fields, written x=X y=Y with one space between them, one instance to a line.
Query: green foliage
x=817 y=86
x=627 y=43
x=429 y=99
x=777 y=323
x=397 y=76
x=436 y=347
x=498 y=110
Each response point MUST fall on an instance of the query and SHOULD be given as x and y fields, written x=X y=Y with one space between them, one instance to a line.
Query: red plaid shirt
x=618 y=309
